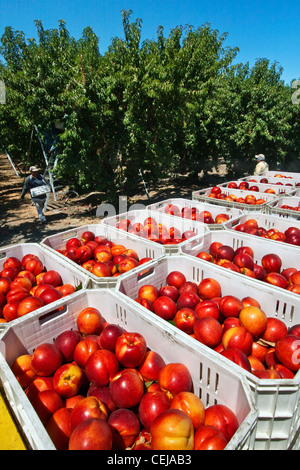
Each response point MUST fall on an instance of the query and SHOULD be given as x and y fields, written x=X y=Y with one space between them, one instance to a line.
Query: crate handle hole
x=51 y=315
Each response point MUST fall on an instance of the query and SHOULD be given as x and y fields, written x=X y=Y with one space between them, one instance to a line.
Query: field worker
x=262 y=167
x=34 y=180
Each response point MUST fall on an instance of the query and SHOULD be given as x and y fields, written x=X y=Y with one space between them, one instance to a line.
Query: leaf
x=79 y=287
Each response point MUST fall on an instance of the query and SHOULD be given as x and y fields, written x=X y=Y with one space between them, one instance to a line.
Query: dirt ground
x=19 y=222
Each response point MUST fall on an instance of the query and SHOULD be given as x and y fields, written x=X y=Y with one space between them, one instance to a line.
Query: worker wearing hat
x=262 y=167
x=33 y=181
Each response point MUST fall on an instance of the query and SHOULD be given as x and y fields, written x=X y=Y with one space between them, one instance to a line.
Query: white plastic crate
x=284 y=173
x=203 y=195
x=275 y=207
x=277 y=401
x=143 y=247
x=200 y=206
x=40 y=190
x=183 y=225
x=70 y=275
x=279 y=190
x=265 y=221
x=213 y=383
x=272 y=180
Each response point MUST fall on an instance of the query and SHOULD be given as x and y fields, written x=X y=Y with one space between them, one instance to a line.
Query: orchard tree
x=252 y=114
x=161 y=89
x=13 y=121
x=266 y=107
x=293 y=159
x=205 y=63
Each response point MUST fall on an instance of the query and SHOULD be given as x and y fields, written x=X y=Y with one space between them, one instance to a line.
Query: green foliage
x=166 y=105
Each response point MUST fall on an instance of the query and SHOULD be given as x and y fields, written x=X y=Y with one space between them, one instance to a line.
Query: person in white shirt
x=262 y=167
x=34 y=180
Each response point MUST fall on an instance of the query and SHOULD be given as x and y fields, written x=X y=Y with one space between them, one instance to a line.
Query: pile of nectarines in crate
x=31 y=278
x=235 y=327
x=255 y=327
x=288 y=207
x=269 y=227
x=258 y=259
x=253 y=185
x=158 y=227
x=243 y=198
x=102 y=253
x=209 y=214
x=105 y=377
